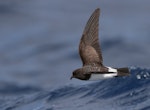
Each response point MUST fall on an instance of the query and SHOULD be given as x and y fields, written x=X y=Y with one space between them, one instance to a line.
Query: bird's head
x=79 y=74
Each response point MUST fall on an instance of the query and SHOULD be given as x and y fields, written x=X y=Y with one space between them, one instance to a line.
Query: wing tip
x=97 y=10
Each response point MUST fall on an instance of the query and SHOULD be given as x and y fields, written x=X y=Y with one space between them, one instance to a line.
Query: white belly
x=102 y=76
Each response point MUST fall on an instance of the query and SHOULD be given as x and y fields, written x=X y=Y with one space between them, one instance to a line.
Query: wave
x=127 y=92
x=119 y=93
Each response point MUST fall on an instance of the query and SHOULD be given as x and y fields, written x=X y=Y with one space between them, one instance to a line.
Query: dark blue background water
x=39 y=50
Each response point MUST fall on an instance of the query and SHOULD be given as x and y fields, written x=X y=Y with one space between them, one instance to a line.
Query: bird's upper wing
x=89 y=47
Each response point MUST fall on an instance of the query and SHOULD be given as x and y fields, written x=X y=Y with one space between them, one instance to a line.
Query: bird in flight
x=91 y=56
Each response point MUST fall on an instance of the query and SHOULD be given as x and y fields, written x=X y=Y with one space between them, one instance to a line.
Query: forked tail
x=123 y=72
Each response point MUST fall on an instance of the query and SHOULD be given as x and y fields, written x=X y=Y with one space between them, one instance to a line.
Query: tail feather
x=123 y=72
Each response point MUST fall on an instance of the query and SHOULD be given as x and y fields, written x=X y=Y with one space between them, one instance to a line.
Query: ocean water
x=122 y=93
x=39 y=50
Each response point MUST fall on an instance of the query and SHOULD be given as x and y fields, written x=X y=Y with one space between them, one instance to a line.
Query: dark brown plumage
x=90 y=52
x=89 y=48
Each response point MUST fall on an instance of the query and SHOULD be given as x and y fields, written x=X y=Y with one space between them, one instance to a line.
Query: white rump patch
x=102 y=76
x=112 y=70
x=97 y=76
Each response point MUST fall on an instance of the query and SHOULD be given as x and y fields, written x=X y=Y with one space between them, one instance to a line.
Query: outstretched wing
x=89 y=47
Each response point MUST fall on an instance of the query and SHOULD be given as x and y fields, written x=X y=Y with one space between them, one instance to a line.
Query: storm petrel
x=91 y=56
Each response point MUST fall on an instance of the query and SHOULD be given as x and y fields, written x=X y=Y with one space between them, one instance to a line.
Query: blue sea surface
x=39 y=50
x=120 y=93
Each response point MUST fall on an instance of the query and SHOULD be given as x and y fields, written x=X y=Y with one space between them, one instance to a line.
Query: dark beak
x=71 y=77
